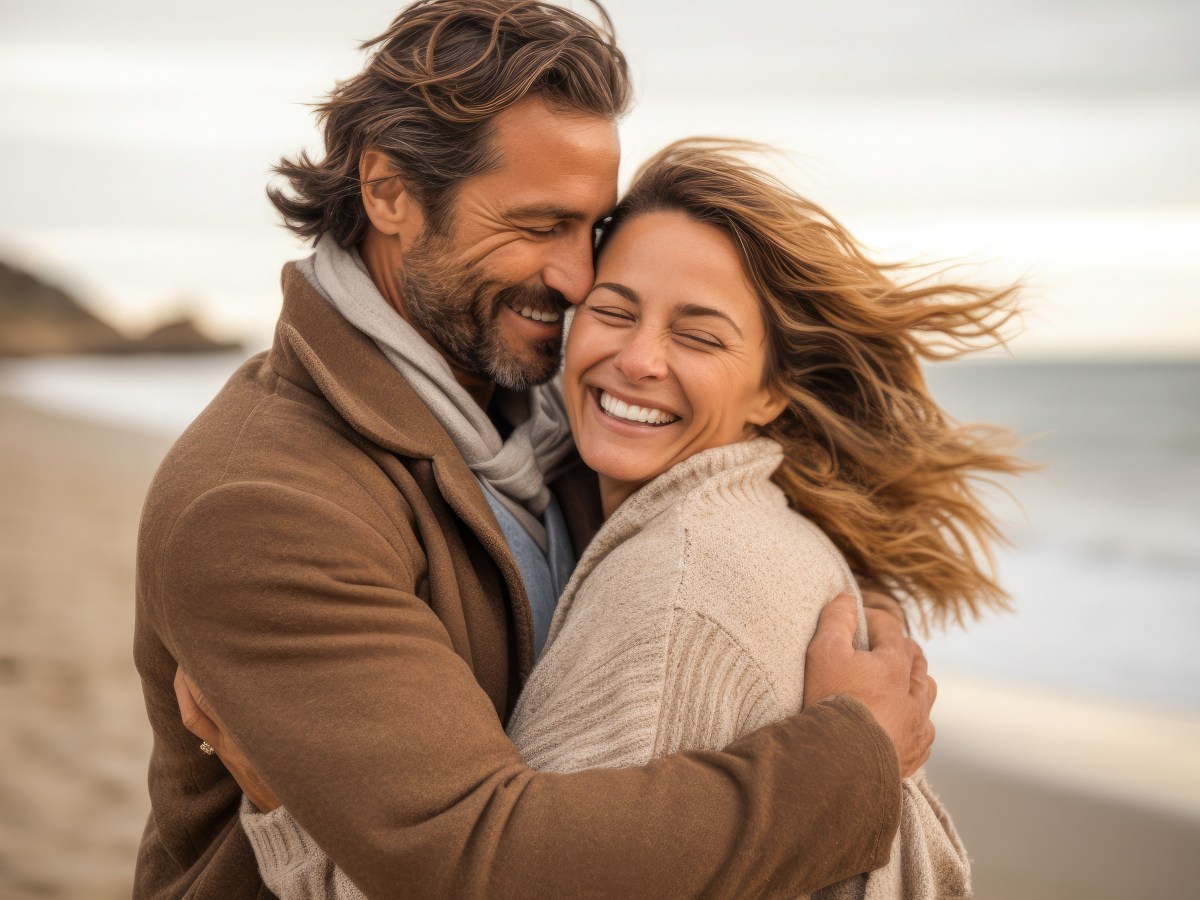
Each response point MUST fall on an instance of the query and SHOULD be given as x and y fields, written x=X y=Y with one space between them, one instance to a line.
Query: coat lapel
x=349 y=370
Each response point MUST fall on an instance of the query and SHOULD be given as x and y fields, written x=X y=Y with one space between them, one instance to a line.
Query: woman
x=746 y=384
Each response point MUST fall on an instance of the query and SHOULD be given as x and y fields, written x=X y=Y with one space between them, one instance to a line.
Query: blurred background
x=1052 y=141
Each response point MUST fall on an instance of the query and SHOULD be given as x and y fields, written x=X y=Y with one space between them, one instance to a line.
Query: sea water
x=1104 y=570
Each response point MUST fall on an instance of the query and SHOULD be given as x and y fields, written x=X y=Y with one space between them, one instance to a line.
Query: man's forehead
x=550 y=165
x=531 y=136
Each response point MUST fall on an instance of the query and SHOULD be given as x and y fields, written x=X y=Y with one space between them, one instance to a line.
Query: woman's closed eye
x=702 y=339
x=612 y=314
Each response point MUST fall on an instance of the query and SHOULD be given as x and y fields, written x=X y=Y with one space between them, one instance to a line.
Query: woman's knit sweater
x=683 y=627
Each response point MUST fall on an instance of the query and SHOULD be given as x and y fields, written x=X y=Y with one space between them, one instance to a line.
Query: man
x=355 y=550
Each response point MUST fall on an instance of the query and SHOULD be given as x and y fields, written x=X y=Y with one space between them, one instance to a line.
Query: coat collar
x=313 y=342
x=318 y=350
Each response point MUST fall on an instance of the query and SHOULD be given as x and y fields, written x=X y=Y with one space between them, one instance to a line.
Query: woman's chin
x=620 y=466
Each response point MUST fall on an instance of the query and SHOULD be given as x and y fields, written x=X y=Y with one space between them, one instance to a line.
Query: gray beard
x=458 y=311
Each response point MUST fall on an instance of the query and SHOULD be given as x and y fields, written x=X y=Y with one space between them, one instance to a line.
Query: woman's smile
x=629 y=411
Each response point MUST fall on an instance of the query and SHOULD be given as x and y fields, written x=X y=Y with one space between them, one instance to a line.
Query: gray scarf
x=515 y=470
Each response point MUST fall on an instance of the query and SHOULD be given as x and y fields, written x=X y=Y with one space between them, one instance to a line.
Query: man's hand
x=873 y=599
x=201 y=720
x=891 y=679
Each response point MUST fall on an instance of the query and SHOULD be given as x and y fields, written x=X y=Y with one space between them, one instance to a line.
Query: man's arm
x=344 y=690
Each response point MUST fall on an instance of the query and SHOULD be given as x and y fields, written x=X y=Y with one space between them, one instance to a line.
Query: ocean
x=1105 y=564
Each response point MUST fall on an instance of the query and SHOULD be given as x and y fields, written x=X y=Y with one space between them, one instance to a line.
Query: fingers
x=194 y=718
x=921 y=682
x=924 y=748
x=885 y=631
x=885 y=603
x=838 y=621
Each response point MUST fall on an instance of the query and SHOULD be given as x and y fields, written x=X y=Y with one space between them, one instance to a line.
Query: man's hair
x=868 y=454
x=428 y=95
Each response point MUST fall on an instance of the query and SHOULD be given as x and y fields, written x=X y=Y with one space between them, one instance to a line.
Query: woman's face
x=666 y=356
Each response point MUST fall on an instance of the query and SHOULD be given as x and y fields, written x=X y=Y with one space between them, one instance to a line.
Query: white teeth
x=538 y=315
x=622 y=410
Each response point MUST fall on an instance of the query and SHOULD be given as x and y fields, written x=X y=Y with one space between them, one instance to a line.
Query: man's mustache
x=539 y=297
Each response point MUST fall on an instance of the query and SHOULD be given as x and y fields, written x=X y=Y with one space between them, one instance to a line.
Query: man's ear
x=388 y=202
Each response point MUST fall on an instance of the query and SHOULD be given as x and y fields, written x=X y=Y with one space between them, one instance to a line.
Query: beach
x=73 y=735
x=1055 y=796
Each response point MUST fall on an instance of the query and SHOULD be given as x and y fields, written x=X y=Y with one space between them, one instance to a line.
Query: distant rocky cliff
x=38 y=318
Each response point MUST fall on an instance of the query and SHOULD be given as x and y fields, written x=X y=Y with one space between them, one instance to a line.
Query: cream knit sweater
x=683 y=627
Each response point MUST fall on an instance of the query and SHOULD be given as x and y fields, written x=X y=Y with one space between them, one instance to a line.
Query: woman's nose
x=641 y=359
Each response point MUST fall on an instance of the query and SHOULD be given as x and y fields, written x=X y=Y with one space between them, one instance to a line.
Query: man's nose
x=570 y=271
x=642 y=358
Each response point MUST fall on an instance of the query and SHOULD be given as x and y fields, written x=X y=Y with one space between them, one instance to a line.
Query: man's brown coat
x=317 y=556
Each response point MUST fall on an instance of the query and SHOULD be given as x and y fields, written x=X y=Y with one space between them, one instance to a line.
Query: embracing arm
x=928 y=860
x=344 y=690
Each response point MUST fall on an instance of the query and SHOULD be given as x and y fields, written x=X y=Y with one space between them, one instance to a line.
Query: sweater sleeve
x=712 y=694
x=289 y=860
x=927 y=862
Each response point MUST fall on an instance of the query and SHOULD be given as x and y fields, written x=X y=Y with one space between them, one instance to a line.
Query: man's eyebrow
x=684 y=309
x=547 y=211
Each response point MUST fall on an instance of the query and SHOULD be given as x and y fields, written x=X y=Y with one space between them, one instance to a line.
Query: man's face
x=492 y=290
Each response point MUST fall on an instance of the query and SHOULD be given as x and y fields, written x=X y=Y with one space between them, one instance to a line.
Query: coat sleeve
x=928 y=860
x=345 y=692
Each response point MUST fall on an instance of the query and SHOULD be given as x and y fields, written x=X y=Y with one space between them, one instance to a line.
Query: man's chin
x=519 y=372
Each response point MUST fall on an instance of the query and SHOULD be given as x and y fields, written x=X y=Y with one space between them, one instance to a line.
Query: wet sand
x=1060 y=796
x=1055 y=798
x=73 y=736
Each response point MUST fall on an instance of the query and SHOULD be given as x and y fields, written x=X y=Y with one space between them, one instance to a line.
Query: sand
x=1055 y=797
x=73 y=736
x=1060 y=796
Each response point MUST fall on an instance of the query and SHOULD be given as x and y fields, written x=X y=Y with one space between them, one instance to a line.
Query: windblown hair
x=868 y=455
x=428 y=95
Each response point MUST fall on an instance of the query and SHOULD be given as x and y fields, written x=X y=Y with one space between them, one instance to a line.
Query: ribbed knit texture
x=685 y=626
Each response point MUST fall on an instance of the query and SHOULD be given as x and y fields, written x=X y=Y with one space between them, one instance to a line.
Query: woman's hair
x=427 y=97
x=868 y=455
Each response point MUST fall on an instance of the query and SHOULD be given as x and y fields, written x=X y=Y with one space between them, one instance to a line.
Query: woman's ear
x=767 y=408
x=388 y=202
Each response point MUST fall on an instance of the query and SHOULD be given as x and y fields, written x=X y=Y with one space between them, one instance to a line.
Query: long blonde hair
x=868 y=454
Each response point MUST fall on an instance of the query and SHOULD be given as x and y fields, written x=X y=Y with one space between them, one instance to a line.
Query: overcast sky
x=1053 y=138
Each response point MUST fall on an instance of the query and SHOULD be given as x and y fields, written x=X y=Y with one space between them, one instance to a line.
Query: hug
x=559 y=546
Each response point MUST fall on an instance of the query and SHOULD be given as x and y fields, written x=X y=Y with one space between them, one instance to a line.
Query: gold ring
x=207 y=748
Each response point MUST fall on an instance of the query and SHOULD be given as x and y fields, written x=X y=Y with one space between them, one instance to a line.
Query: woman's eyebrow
x=627 y=292
x=693 y=309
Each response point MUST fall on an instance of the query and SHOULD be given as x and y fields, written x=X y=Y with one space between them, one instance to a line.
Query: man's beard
x=457 y=306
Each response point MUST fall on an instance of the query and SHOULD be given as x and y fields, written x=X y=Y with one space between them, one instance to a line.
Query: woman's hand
x=201 y=720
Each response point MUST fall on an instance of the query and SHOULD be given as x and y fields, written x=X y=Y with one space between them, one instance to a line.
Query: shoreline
x=1059 y=796
x=1055 y=795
